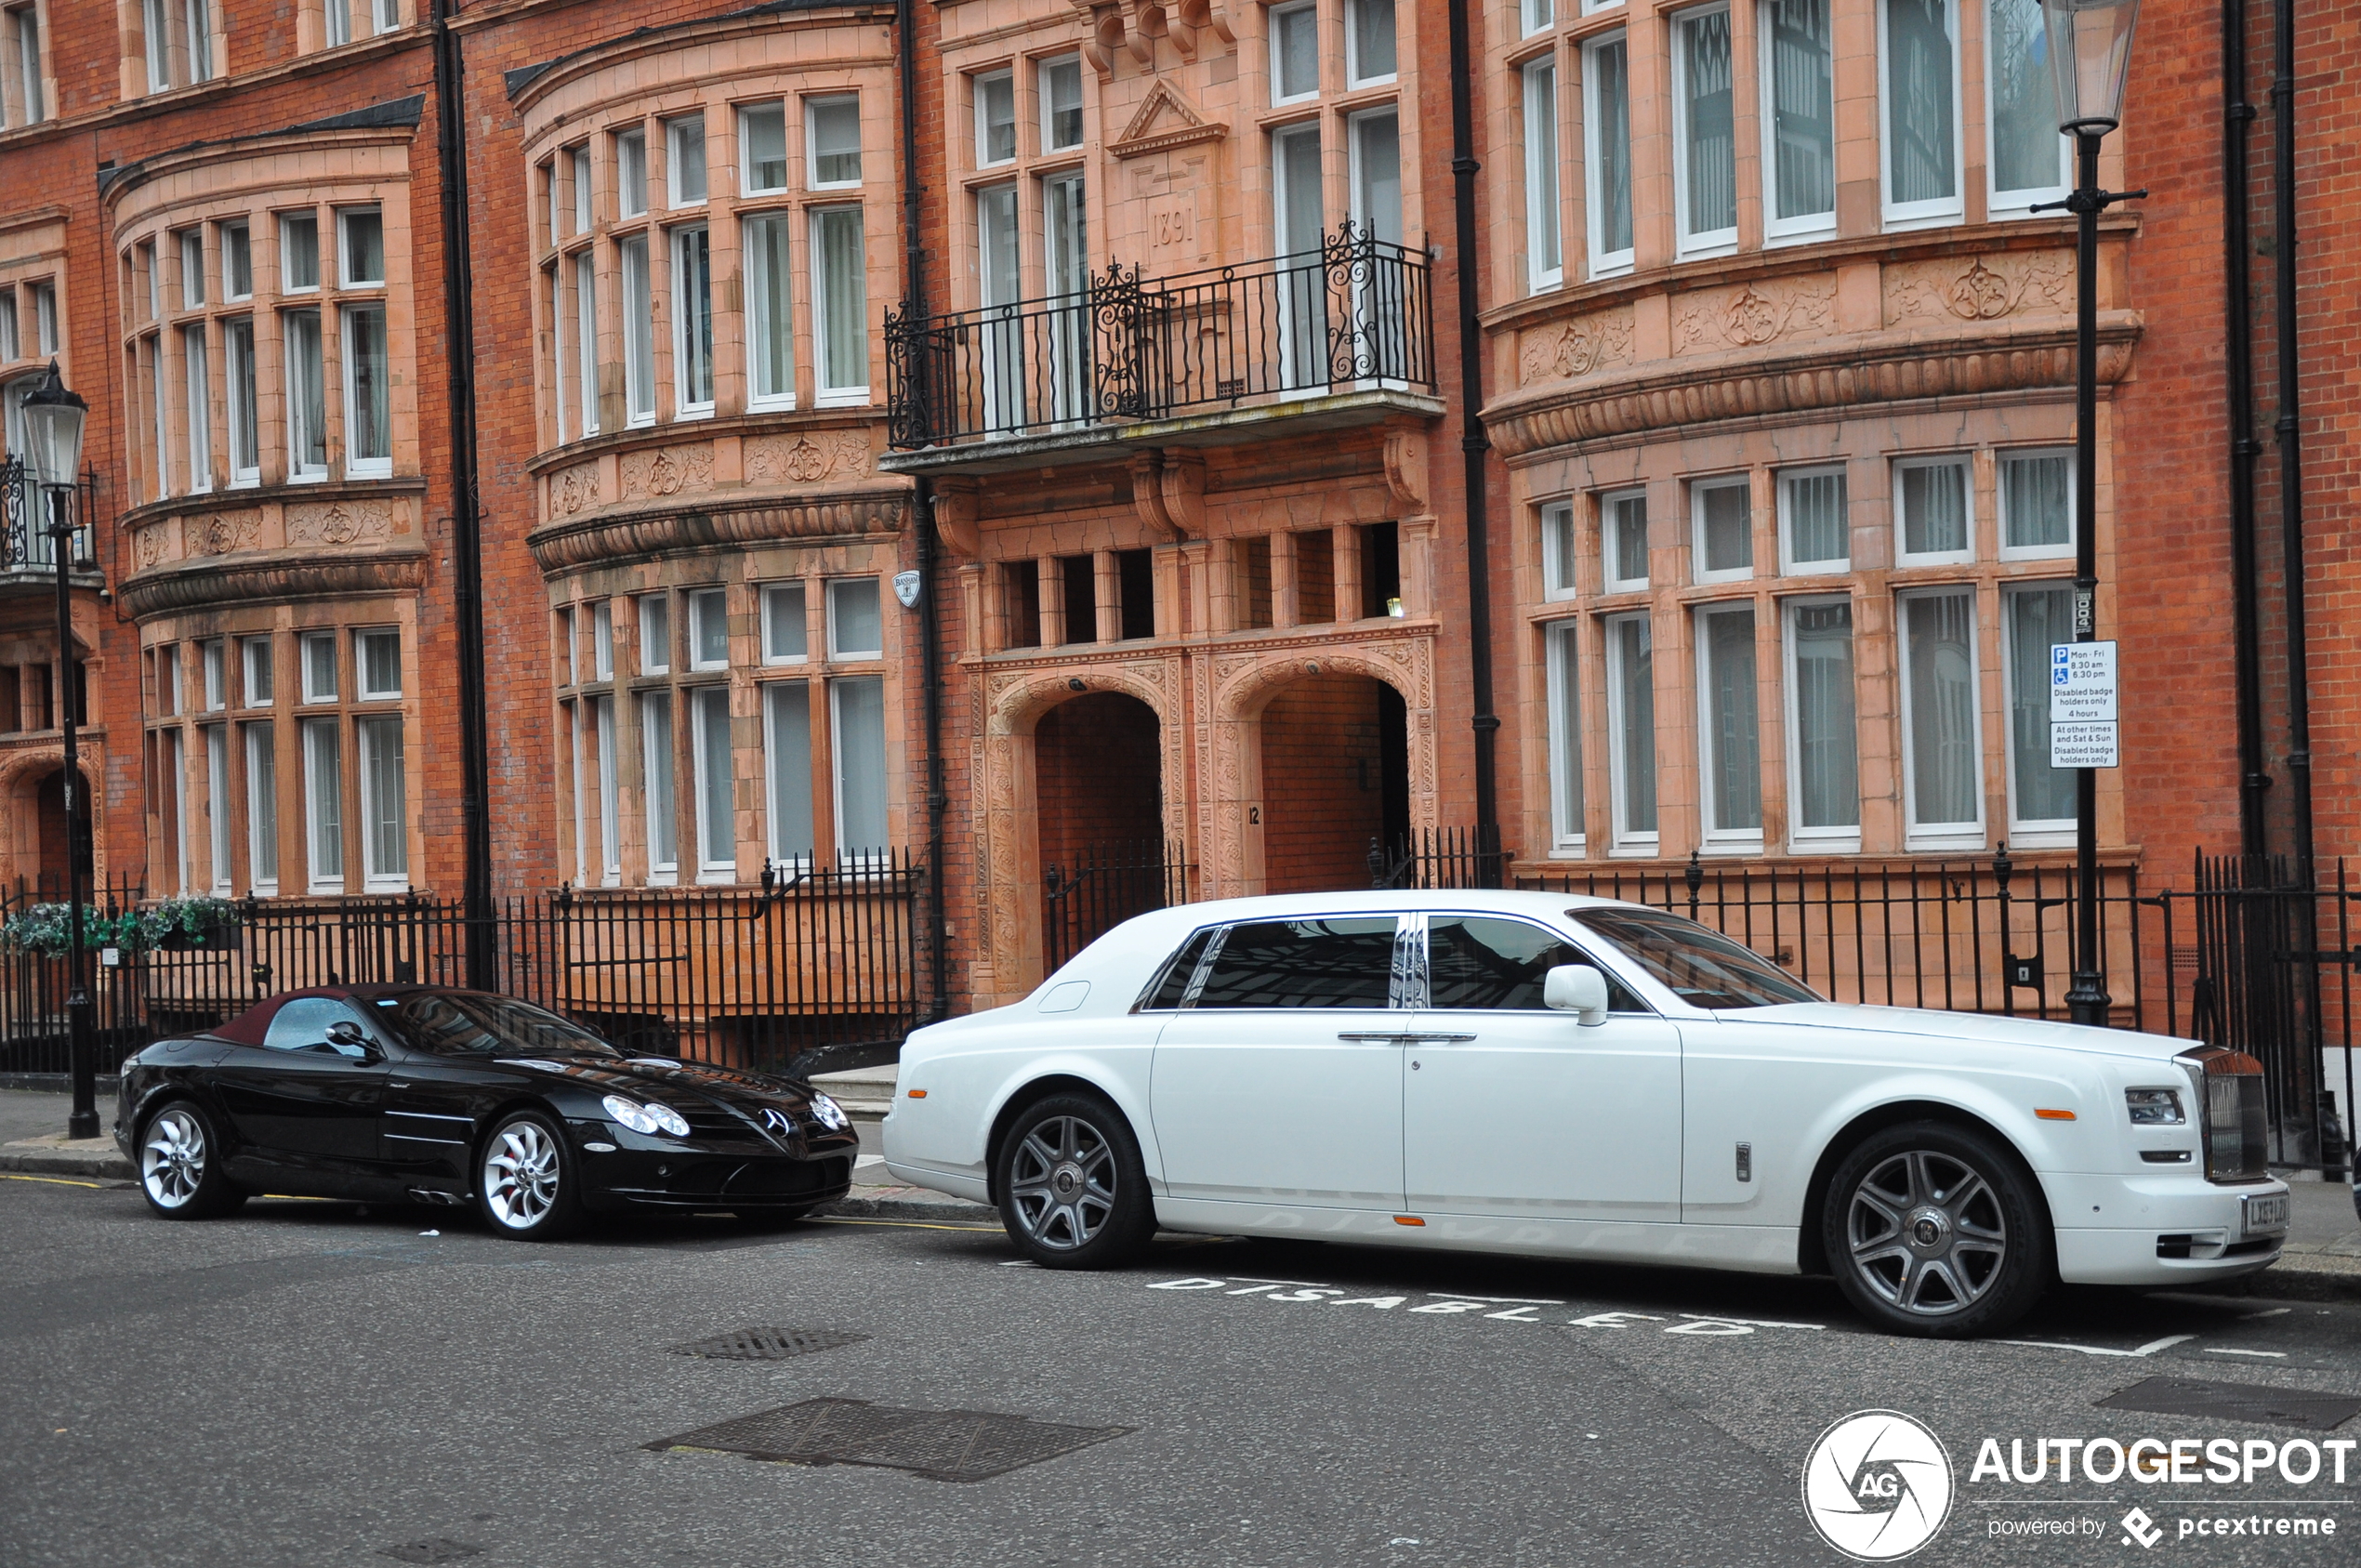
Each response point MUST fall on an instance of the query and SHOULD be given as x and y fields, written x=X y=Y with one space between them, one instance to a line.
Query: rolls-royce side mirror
x=1578 y=989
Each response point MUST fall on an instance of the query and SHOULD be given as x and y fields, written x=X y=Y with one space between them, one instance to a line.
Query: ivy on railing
x=174 y=922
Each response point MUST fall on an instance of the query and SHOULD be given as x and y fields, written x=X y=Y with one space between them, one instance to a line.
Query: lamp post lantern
x=53 y=420
x=2089 y=49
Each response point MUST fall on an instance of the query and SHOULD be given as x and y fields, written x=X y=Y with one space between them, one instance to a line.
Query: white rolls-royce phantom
x=1581 y=1079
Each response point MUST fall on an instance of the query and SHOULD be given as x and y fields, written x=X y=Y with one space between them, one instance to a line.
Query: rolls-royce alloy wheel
x=1933 y=1230
x=1074 y=1193
x=525 y=1181
x=181 y=1164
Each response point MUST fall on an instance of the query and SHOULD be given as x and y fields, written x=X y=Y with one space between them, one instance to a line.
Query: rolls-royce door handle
x=1438 y=1039
x=1379 y=1039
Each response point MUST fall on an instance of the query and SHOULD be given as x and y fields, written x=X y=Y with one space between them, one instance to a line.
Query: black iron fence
x=823 y=972
x=1354 y=313
x=27 y=512
x=1105 y=885
x=1439 y=857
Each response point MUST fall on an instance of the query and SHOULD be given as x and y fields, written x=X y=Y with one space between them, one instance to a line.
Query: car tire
x=180 y=1174
x=1072 y=1189
x=528 y=1182
x=1937 y=1232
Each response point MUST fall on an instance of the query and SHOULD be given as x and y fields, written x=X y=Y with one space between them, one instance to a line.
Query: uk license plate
x=2266 y=1214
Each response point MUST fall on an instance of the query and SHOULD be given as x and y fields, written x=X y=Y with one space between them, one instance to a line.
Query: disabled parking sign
x=2082 y=705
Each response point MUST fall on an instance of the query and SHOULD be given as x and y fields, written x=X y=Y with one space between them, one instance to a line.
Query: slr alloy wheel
x=1074 y=1193
x=180 y=1162
x=526 y=1181
x=1933 y=1230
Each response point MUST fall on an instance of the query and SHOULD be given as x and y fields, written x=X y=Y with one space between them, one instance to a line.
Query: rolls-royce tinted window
x=1174 y=985
x=1701 y=966
x=1482 y=961
x=1344 y=962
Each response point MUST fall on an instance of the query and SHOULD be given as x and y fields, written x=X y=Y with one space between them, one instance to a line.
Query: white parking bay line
x=2151 y=1347
x=2226 y=1350
x=1504 y=1300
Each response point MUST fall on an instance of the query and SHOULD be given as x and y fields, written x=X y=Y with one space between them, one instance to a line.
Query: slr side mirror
x=347 y=1039
x=1578 y=989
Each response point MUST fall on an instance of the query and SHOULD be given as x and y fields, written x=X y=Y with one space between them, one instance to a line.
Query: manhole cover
x=2237 y=1402
x=940 y=1444
x=436 y=1550
x=768 y=1344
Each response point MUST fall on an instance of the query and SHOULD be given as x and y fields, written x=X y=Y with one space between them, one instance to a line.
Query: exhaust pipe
x=428 y=1195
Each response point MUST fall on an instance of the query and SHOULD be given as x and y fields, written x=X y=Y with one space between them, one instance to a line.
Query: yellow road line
x=53 y=1181
x=905 y=1224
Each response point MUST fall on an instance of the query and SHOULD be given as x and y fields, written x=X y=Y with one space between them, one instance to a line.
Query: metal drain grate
x=2237 y=1402
x=767 y=1344
x=436 y=1550
x=940 y=1444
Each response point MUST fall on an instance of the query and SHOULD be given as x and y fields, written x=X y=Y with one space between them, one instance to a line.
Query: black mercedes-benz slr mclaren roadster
x=435 y=1095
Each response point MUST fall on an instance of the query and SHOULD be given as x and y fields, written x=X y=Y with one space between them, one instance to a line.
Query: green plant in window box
x=172 y=924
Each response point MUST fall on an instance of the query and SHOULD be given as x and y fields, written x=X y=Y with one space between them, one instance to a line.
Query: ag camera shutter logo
x=1877 y=1485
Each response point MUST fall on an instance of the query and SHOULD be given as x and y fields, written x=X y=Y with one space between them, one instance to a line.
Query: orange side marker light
x=917 y=1094
x=2054 y=1115
x=1407 y=1219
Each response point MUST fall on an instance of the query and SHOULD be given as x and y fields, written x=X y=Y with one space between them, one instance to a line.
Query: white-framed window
x=1294 y=52
x=786 y=634
x=318 y=651
x=691 y=322
x=610 y=808
x=385 y=837
x=856 y=629
x=2026 y=156
x=1631 y=731
x=786 y=751
x=198 y=384
x=1942 y=750
x=1823 y=736
x=603 y=640
x=2041 y=798
x=548 y=173
x=638 y=333
x=1798 y=115
x=216 y=677
x=857 y=712
x=217 y=805
x=995 y=106
x=716 y=811
x=44 y=316
x=1705 y=160
x=377 y=663
x=769 y=317
x=173 y=809
x=261 y=677
x=762 y=143
x=160 y=409
x=388 y=15
x=833 y=133
x=1544 y=203
x=336 y=21
x=1729 y=727
x=361 y=248
x=631 y=173
x=663 y=804
x=684 y=181
x=368 y=413
x=169 y=693
x=24 y=39
x=1534 y=15
x=238 y=393
x=298 y=253
x=586 y=340
x=1561 y=660
x=578 y=165
x=840 y=319
x=306 y=397
x=1622 y=540
x=156 y=40
x=324 y=804
x=656 y=633
x=1369 y=46
x=262 y=808
x=1816 y=530
x=191 y=268
x=1059 y=82
x=237 y=262
x=1558 y=550
x=559 y=379
x=1606 y=140
x=10 y=340
x=153 y=274
x=709 y=628
x=2036 y=505
x=1919 y=99
x=1721 y=520
x=1934 y=511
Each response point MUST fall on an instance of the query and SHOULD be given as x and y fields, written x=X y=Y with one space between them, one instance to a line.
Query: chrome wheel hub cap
x=521 y=1176
x=172 y=1161
x=1926 y=1233
x=1062 y=1184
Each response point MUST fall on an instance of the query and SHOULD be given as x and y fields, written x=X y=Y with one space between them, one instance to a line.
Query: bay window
x=684 y=161
x=762 y=140
x=246 y=450
x=1558 y=550
x=198 y=385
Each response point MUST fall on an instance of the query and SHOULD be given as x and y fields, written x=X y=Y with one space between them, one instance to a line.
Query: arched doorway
x=36 y=840
x=1336 y=775
x=1098 y=773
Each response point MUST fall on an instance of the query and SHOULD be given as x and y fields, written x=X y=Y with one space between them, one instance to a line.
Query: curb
x=941 y=1211
x=2323 y=1281
x=97 y=1167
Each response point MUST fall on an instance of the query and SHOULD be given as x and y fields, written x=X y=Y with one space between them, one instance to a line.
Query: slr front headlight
x=2155 y=1108
x=649 y=1118
x=829 y=1113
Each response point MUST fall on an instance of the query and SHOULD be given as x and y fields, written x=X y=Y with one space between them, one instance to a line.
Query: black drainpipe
x=1474 y=442
x=914 y=292
x=2238 y=340
x=467 y=520
x=2290 y=434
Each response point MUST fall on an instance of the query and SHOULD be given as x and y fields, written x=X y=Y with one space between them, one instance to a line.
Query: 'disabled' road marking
x=2151 y=1347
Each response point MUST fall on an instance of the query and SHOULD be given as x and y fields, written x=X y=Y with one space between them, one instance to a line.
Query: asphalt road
x=311 y=1384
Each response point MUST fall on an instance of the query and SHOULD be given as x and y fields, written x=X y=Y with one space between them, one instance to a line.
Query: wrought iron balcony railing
x=1353 y=315
x=27 y=547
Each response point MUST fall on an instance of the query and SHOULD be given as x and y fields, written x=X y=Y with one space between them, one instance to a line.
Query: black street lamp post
x=53 y=420
x=2089 y=46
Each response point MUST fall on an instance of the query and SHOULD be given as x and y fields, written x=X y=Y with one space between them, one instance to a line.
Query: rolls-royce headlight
x=2155 y=1108
x=829 y=1113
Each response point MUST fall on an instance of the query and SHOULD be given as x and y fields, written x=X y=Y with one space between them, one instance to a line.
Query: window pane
x=1934 y=508
x=1178 y=970
x=260 y=675
x=1827 y=743
x=844 y=299
x=1557 y=548
x=787 y=712
x=855 y=629
x=1346 y=962
x=2037 y=501
x=861 y=764
x=1565 y=734
x=237 y=340
x=1541 y=236
x=237 y=260
x=1294 y=52
x=191 y=270
x=1708 y=159
x=586 y=337
x=1817 y=531
x=217 y=803
x=1376 y=191
x=1627 y=523
x=579 y=162
x=783 y=634
x=2038 y=620
x=1939 y=645
x=1733 y=737
x=1370 y=37
x=631 y=172
x=1726 y=525
x=262 y=807
x=364 y=247
x=1633 y=729
x=655 y=634
x=1608 y=142
x=717 y=816
x=603 y=640
x=686 y=138
x=996 y=118
x=710 y=626
x=835 y=141
x=1804 y=121
x=368 y=416
x=1921 y=139
x=639 y=332
x=610 y=823
x=307 y=394
x=384 y=839
x=323 y=798
x=380 y=663
x=1062 y=103
x=692 y=316
x=656 y=746
x=299 y=250
x=320 y=668
x=2027 y=151
x=9 y=335
x=199 y=422
x=1476 y=961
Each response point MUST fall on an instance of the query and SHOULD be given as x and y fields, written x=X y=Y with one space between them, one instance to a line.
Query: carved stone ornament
x=220 y=533
x=337 y=524
x=668 y=470
x=1576 y=347
x=1405 y=468
x=573 y=488
x=1756 y=313
x=807 y=458
x=2036 y=283
x=146 y=543
x=1165 y=120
